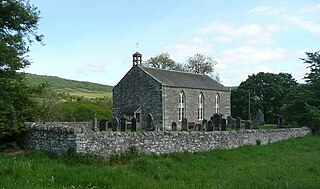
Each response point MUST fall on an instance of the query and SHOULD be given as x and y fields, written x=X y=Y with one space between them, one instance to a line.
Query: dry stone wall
x=60 y=138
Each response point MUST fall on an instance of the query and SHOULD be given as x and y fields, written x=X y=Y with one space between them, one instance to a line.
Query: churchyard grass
x=294 y=163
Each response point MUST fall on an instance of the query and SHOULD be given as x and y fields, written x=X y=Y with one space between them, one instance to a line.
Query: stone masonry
x=61 y=137
x=139 y=88
x=172 y=103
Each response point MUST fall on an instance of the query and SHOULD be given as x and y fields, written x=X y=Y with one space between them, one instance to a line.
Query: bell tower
x=137 y=59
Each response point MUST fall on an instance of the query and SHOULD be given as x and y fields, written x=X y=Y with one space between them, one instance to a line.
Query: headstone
x=260 y=117
x=238 y=122
x=255 y=124
x=184 y=125
x=248 y=124
x=115 y=124
x=280 y=121
x=210 y=126
x=223 y=124
x=103 y=124
x=133 y=124
x=150 y=126
x=216 y=122
x=123 y=124
x=211 y=118
x=204 y=124
x=94 y=123
x=174 y=126
x=229 y=118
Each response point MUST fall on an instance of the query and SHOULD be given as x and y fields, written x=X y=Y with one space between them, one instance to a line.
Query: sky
x=94 y=40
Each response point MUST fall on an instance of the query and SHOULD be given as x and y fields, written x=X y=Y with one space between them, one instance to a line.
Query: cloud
x=92 y=67
x=251 y=55
x=267 y=11
x=181 y=51
x=249 y=33
x=296 y=18
x=310 y=9
x=304 y=24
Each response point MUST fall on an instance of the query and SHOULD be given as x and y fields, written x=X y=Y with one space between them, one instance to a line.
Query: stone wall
x=59 y=138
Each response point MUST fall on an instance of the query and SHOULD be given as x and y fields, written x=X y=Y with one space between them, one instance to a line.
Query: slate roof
x=184 y=79
x=131 y=108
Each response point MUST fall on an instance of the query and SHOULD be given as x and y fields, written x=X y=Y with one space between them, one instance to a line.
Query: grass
x=293 y=163
x=268 y=126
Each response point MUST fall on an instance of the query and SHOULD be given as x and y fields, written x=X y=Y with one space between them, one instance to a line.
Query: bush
x=314 y=120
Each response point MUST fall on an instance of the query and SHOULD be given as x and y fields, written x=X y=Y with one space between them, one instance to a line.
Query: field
x=293 y=163
x=72 y=87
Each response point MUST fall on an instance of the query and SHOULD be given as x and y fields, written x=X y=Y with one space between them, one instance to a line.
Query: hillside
x=78 y=88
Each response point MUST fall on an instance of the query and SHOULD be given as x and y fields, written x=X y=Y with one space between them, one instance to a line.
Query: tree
x=313 y=77
x=18 y=25
x=200 y=64
x=267 y=92
x=163 y=61
x=302 y=105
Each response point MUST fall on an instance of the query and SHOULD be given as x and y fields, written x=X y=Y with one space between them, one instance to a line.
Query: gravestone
x=210 y=126
x=204 y=124
x=248 y=124
x=211 y=118
x=238 y=122
x=216 y=122
x=260 y=117
x=150 y=126
x=184 y=125
x=229 y=118
x=280 y=122
x=133 y=124
x=123 y=124
x=103 y=124
x=174 y=126
x=255 y=124
x=115 y=124
x=223 y=124
x=94 y=123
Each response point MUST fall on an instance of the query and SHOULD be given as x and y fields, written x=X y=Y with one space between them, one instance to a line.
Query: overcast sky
x=94 y=40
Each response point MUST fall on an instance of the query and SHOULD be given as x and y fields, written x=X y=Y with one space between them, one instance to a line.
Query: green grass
x=268 y=126
x=293 y=163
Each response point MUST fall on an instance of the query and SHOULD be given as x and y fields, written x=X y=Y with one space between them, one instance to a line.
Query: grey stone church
x=169 y=96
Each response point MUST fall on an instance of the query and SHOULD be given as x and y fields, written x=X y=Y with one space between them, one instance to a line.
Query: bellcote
x=137 y=59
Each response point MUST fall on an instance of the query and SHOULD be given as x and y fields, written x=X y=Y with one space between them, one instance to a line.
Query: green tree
x=267 y=93
x=201 y=64
x=302 y=105
x=163 y=61
x=18 y=25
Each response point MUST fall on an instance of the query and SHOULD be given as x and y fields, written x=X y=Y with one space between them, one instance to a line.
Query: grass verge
x=294 y=163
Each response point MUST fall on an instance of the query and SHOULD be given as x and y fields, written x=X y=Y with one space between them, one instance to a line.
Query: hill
x=73 y=87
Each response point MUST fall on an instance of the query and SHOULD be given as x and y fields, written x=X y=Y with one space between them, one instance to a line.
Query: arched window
x=200 y=107
x=217 y=103
x=182 y=106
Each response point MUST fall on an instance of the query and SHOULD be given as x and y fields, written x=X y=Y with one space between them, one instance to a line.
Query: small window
x=200 y=106
x=182 y=106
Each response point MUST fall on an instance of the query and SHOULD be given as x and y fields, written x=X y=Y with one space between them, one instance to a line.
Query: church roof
x=184 y=79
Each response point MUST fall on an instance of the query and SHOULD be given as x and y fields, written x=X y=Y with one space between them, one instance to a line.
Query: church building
x=168 y=96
